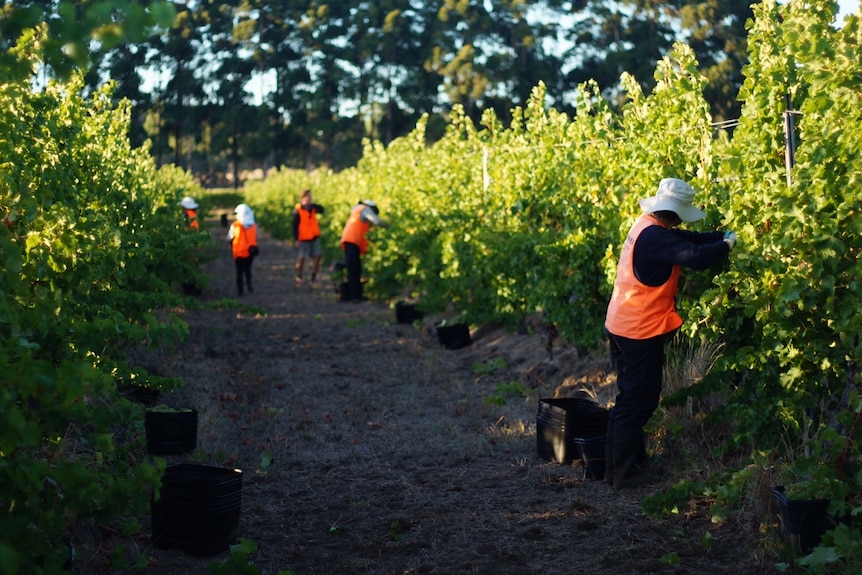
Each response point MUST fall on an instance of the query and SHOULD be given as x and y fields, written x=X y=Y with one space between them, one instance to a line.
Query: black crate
x=592 y=453
x=560 y=420
x=198 y=509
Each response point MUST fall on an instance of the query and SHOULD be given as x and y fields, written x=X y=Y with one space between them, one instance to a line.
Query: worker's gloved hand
x=730 y=239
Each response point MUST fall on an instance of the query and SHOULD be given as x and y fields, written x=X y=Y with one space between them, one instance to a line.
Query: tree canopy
x=221 y=86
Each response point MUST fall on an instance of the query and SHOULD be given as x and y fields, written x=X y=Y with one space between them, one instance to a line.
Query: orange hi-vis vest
x=355 y=230
x=308 y=226
x=636 y=310
x=243 y=238
x=192 y=216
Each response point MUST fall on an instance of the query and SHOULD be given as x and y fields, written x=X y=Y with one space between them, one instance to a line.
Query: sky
x=847 y=7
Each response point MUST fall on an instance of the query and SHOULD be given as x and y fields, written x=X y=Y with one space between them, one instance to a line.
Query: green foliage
x=92 y=248
x=502 y=222
x=225 y=198
x=167 y=409
x=673 y=500
x=671 y=559
x=840 y=551
x=266 y=459
x=238 y=561
x=396 y=533
x=233 y=303
x=489 y=367
x=783 y=307
x=812 y=477
x=504 y=391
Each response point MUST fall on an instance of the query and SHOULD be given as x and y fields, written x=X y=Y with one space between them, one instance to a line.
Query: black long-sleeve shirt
x=658 y=249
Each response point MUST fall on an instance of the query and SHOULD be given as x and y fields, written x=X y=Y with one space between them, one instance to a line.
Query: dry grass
x=688 y=362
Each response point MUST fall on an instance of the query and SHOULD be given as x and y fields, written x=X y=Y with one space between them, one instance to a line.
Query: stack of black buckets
x=451 y=336
x=197 y=508
x=570 y=428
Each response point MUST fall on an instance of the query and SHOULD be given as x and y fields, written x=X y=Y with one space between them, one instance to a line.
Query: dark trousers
x=243 y=273
x=353 y=264
x=639 y=365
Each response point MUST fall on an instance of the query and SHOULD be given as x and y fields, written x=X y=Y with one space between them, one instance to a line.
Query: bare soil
x=367 y=447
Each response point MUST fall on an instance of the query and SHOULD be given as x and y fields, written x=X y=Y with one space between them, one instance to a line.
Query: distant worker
x=355 y=245
x=190 y=214
x=243 y=238
x=306 y=235
x=190 y=211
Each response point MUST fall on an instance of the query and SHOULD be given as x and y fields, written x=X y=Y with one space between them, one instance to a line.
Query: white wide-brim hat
x=244 y=214
x=675 y=196
x=189 y=203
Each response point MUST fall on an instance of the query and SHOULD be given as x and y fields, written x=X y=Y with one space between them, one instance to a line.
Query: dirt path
x=366 y=447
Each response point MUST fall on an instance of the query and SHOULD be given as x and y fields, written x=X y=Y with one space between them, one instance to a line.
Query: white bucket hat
x=189 y=203
x=244 y=215
x=674 y=196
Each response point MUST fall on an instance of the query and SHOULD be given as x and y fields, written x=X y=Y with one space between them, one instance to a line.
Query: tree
x=123 y=66
x=631 y=35
x=716 y=31
x=620 y=36
x=180 y=53
x=339 y=71
x=274 y=34
x=521 y=60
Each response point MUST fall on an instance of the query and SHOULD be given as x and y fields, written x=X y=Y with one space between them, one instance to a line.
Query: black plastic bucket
x=803 y=521
x=560 y=420
x=592 y=454
x=454 y=336
x=198 y=509
x=407 y=313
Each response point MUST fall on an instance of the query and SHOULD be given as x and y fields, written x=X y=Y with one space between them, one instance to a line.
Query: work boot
x=629 y=459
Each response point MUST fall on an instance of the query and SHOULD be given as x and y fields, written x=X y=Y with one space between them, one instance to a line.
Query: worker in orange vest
x=243 y=238
x=190 y=213
x=190 y=210
x=355 y=244
x=306 y=235
x=642 y=317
